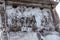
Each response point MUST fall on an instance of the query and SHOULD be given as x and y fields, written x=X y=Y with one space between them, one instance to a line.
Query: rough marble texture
x=22 y=36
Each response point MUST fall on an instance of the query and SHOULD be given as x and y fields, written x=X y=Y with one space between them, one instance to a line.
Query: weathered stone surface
x=22 y=36
x=19 y=19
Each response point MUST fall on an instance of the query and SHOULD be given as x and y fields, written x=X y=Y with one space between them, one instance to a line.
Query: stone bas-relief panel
x=33 y=18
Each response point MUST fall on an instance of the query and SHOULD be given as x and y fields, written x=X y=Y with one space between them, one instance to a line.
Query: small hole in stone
x=41 y=8
x=33 y=7
x=1 y=3
x=14 y=6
